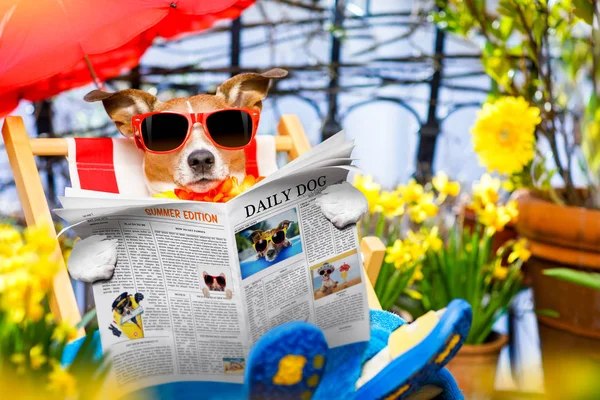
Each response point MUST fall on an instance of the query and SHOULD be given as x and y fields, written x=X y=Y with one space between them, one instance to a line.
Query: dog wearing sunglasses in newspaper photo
x=194 y=144
x=328 y=284
x=215 y=284
x=268 y=244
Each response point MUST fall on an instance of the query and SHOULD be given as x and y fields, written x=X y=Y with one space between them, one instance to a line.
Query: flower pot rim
x=494 y=346
x=534 y=196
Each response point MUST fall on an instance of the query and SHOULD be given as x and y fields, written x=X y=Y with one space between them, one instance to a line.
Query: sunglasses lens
x=278 y=237
x=164 y=132
x=208 y=280
x=230 y=128
x=260 y=245
x=321 y=272
x=221 y=280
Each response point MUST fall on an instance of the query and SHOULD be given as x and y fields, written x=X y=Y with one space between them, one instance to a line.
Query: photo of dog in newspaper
x=127 y=316
x=215 y=285
x=268 y=242
x=336 y=274
x=234 y=365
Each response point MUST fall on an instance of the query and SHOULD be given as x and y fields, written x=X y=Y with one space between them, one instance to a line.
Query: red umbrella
x=48 y=46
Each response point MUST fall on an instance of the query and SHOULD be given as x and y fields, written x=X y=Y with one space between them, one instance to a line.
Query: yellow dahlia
x=503 y=134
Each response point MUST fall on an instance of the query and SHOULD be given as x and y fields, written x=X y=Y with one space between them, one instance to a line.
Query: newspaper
x=197 y=284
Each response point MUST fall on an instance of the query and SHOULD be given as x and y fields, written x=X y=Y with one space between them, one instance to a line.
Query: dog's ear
x=284 y=224
x=248 y=90
x=121 y=106
x=256 y=235
x=204 y=274
x=222 y=274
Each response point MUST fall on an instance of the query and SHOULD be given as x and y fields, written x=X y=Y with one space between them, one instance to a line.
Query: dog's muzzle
x=201 y=161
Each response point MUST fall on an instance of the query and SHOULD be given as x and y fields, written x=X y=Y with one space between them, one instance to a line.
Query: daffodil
x=503 y=134
x=397 y=254
x=370 y=189
x=37 y=358
x=423 y=209
x=411 y=193
x=485 y=191
x=444 y=186
x=64 y=332
x=494 y=218
x=500 y=272
x=390 y=204
x=519 y=251
x=433 y=240
x=61 y=381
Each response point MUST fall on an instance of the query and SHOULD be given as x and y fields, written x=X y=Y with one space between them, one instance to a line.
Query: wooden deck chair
x=21 y=150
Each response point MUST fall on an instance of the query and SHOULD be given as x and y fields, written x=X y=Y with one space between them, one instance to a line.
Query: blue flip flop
x=408 y=372
x=287 y=363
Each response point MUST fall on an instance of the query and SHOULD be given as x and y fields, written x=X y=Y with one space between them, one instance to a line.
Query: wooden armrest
x=58 y=146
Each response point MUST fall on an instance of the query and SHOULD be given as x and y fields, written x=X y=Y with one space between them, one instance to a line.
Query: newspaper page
x=173 y=308
x=197 y=284
x=295 y=264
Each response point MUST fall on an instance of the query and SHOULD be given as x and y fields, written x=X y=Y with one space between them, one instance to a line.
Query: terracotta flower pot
x=474 y=367
x=562 y=237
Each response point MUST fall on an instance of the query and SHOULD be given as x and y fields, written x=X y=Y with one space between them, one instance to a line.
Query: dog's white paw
x=228 y=293
x=205 y=292
x=93 y=259
x=342 y=204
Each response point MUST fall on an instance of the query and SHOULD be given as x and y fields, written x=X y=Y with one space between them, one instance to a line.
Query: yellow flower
x=494 y=218
x=62 y=382
x=500 y=272
x=512 y=209
x=444 y=186
x=519 y=251
x=397 y=254
x=424 y=209
x=433 y=240
x=37 y=357
x=17 y=358
x=369 y=188
x=413 y=294
x=411 y=193
x=64 y=332
x=503 y=134
x=390 y=204
x=485 y=191
x=166 y=195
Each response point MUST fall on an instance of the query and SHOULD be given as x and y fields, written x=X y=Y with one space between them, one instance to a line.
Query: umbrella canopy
x=46 y=45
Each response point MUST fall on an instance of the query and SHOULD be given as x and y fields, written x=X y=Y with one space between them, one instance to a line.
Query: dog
x=327 y=284
x=215 y=284
x=198 y=164
x=268 y=244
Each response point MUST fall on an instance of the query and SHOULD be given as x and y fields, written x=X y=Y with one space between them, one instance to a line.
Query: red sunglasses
x=167 y=131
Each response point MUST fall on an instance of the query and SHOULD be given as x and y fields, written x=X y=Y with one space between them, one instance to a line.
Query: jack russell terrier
x=194 y=144
x=269 y=243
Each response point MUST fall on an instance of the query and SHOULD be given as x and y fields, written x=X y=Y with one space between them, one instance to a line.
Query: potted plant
x=540 y=124
x=31 y=340
x=427 y=265
x=463 y=264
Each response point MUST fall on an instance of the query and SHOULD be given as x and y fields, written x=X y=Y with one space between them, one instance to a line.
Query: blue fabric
x=301 y=341
x=444 y=380
x=342 y=368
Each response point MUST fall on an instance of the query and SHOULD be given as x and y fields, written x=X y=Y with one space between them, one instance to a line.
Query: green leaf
x=587 y=279
x=86 y=319
x=548 y=313
x=584 y=9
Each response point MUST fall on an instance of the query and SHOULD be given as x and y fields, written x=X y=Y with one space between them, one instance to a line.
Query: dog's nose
x=270 y=253
x=201 y=160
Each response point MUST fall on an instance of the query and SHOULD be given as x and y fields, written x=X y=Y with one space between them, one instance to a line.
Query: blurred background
x=406 y=91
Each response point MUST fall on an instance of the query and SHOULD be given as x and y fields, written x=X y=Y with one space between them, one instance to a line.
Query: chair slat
x=35 y=207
